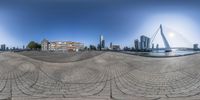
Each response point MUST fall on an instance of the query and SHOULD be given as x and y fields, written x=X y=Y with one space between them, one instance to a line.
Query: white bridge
x=166 y=43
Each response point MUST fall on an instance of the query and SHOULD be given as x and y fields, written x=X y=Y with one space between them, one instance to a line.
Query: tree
x=38 y=46
x=127 y=48
x=92 y=47
x=33 y=45
x=86 y=48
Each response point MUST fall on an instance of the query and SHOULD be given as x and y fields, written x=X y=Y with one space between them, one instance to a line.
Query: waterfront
x=175 y=52
x=162 y=53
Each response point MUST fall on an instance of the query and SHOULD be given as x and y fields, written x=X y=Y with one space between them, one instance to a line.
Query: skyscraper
x=148 y=43
x=144 y=42
x=23 y=47
x=157 y=46
x=152 y=46
x=195 y=47
x=111 y=46
x=102 y=42
x=7 y=48
x=3 y=47
x=136 y=43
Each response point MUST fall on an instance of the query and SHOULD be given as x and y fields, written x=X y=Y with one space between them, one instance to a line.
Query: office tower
x=148 y=43
x=136 y=42
x=3 y=47
x=157 y=46
x=7 y=48
x=152 y=46
x=195 y=47
x=144 y=42
x=102 y=42
x=111 y=45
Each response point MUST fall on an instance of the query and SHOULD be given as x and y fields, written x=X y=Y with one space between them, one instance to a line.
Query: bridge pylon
x=166 y=43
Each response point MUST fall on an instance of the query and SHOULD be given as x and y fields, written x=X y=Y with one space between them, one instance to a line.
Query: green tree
x=34 y=45
x=92 y=47
x=38 y=46
x=86 y=48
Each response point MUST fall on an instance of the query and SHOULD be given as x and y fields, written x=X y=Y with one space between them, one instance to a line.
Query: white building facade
x=61 y=46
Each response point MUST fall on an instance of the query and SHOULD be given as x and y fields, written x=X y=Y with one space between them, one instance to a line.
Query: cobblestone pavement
x=107 y=76
x=60 y=57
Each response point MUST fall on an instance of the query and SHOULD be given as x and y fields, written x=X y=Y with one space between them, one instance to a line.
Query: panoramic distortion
x=99 y=50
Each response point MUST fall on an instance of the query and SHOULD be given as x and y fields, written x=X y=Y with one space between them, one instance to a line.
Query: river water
x=174 y=52
x=162 y=53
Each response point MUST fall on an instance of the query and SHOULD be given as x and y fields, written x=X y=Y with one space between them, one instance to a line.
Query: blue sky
x=120 y=21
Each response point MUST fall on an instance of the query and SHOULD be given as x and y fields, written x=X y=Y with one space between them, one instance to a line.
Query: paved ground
x=60 y=57
x=107 y=76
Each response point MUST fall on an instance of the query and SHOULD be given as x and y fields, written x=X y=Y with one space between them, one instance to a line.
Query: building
x=23 y=47
x=195 y=47
x=7 y=49
x=148 y=43
x=53 y=46
x=102 y=42
x=61 y=46
x=157 y=46
x=144 y=42
x=92 y=47
x=137 y=44
x=111 y=46
x=45 y=45
x=116 y=47
x=3 y=47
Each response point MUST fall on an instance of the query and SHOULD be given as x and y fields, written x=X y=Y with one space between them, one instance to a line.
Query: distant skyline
x=119 y=21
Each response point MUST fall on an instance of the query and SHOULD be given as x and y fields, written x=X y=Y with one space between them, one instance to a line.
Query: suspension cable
x=154 y=35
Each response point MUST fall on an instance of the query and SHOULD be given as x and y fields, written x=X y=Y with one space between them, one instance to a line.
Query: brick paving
x=110 y=75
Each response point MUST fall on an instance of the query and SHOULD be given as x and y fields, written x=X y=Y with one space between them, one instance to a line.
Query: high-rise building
x=7 y=48
x=195 y=47
x=144 y=42
x=3 y=47
x=152 y=46
x=111 y=46
x=136 y=43
x=157 y=46
x=102 y=42
x=23 y=47
x=148 y=43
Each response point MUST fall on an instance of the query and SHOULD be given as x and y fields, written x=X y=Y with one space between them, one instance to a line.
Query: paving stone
x=102 y=77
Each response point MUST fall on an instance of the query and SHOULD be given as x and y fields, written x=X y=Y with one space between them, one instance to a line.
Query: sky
x=119 y=21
